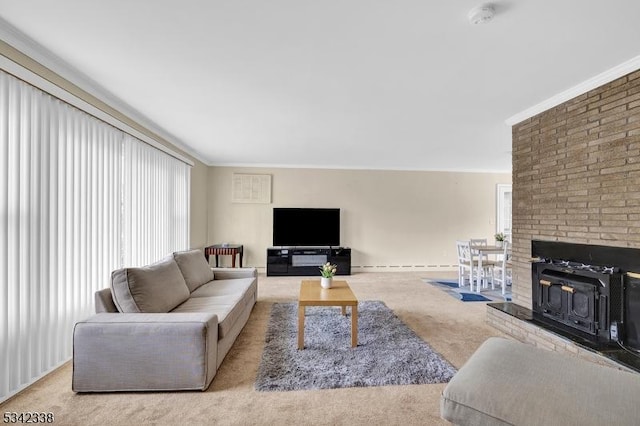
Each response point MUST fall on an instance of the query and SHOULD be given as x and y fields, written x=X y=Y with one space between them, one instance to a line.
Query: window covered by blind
x=78 y=199
x=155 y=193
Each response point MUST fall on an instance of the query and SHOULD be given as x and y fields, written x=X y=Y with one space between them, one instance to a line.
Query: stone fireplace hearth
x=521 y=324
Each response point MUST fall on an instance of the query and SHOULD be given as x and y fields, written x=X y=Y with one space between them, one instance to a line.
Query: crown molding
x=29 y=47
x=357 y=167
x=590 y=84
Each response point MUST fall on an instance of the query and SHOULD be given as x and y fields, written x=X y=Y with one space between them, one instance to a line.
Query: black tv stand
x=305 y=261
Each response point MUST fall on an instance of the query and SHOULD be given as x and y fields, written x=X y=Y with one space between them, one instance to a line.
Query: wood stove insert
x=584 y=297
x=589 y=290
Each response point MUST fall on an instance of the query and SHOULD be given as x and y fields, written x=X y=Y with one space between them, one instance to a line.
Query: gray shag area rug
x=388 y=352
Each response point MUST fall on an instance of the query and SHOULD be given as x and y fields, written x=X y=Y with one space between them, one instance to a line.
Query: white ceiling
x=401 y=84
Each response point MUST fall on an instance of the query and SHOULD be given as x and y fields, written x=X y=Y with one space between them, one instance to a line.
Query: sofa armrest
x=104 y=301
x=231 y=273
x=145 y=351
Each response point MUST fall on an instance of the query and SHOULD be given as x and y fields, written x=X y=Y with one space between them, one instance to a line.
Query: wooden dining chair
x=478 y=242
x=465 y=264
x=502 y=268
x=468 y=265
x=487 y=263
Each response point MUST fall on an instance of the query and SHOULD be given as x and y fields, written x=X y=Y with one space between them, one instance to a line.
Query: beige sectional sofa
x=165 y=326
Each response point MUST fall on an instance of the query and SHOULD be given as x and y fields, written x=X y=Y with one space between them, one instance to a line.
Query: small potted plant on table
x=500 y=239
x=327 y=271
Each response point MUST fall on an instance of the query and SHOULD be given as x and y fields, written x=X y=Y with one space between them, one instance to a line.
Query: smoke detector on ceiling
x=481 y=14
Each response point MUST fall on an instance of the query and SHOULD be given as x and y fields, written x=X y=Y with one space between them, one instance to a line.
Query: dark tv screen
x=306 y=227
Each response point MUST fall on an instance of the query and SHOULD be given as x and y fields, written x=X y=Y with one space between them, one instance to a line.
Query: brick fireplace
x=576 y=176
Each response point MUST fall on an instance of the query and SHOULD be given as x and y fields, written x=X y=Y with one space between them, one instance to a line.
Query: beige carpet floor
x=453 y=328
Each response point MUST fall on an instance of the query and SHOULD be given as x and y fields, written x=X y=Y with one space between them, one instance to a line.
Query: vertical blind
x=156 y=191
x=78 y=199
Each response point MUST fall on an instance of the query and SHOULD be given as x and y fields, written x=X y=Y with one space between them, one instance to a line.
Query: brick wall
x=576 y=175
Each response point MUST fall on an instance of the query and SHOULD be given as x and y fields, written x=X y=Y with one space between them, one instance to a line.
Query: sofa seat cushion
x=225 y=287
x=155 y=288
x=245 y=287
x=194 y=268
x=228 y=309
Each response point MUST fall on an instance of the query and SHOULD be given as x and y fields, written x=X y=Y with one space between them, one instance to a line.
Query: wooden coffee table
x=340 y=294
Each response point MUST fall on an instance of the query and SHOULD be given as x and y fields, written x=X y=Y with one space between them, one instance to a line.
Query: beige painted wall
x=392 y=220
x=199 y=205
x=198 y=172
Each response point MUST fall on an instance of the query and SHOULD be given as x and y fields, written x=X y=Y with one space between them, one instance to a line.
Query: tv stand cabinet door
x=341 y=257
x=277 y=263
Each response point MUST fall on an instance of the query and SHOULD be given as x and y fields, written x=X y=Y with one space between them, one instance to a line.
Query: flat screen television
x=306 y=227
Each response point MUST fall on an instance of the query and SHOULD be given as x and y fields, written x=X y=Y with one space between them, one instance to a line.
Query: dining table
x=481 y=251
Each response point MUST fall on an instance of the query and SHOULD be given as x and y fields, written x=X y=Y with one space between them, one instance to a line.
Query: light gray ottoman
x=512 y=383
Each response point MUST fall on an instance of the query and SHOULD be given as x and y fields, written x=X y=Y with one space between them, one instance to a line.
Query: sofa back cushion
x=194 y=267
x=158 y=287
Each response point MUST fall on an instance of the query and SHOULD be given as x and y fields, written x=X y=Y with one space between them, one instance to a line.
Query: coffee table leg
x=354 y=326
x=344 y=310
x=300 y=327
